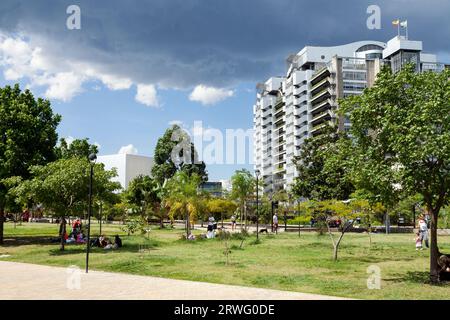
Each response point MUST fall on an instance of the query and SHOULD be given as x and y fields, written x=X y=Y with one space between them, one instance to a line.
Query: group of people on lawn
x=77 y=236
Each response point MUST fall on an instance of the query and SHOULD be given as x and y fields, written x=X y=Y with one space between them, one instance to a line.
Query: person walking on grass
x=275 y=222
x=423 y=230
x=233 y=222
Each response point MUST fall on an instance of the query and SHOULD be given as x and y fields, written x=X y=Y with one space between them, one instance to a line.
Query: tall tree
x=242 y=187
x=401 y=132
x=321 y=166
x=27 y=137
x=77 y=148
x=175 y=152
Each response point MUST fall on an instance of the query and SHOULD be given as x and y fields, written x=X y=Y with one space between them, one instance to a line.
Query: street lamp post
x=257 y=172
x=92 y=158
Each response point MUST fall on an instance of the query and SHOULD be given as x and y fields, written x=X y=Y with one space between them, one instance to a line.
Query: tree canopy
x=27 y=137
x=321 y=166
x=401 y=141
x=77 y=148
x=175 y=152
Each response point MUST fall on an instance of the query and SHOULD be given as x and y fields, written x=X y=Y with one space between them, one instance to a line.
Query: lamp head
x=92 y=157
x=257 y=172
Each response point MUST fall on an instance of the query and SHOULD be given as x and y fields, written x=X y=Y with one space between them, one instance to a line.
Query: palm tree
x=183 y=197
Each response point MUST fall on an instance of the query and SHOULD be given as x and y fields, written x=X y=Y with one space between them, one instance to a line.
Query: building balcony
x=322 y=117
x=315 y=88
x=326 y=104
x=279 y=102
x=279 y=112
x=279 y=169
x=322 y=95
x=319 y=75
x=316 y=130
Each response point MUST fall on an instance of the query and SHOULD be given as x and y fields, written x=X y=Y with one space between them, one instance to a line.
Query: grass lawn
x=285 y=261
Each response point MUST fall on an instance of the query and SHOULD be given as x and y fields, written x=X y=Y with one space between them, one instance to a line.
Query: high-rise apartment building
x=296 y=106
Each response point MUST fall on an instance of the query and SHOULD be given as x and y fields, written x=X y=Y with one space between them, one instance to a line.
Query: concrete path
x=29 y=281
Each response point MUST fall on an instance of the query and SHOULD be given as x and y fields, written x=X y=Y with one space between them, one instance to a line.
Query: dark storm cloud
x=180 y=43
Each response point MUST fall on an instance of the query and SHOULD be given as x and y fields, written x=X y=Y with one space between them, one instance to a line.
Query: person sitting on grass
x=191 y=237
x=109 y=245
x=117 y=242
x=80 y=238
x=70 y=239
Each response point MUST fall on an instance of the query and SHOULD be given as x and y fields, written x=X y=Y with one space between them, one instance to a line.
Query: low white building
x=128 y=166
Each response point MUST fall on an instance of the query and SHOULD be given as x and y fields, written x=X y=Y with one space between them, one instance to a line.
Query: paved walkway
x=29 y=281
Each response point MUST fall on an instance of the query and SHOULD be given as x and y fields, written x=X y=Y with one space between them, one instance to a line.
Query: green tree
x=401 y=146
x=142 y=193
x=242 y=187
x=220 y=208
x=175 y=152
x=322 y=170
x=78 y=148
x=27 y=137
x=62 y=187
x=183 y=197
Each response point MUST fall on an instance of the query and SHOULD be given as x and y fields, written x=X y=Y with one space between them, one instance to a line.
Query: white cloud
x=146 y=94
x=115 y=83
x=128 y=149
x=98 y=145
x=62 y=79
x=209 y=95
x=63 y=86
x=175 y=122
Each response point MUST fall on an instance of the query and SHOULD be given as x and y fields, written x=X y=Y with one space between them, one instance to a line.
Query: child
x=418 y=241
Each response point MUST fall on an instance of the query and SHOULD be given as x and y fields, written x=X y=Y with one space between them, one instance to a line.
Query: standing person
x=275 y=222
x=233 y=222
x=418 y=241
x=423 y=230
x=210 y=234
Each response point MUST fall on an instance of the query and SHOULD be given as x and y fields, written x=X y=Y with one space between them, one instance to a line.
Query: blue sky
x=137 y=65
x=114 y=119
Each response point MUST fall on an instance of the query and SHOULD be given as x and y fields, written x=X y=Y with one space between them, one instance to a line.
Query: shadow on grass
x=81 y=248
x=419 y=277
x=26 y=240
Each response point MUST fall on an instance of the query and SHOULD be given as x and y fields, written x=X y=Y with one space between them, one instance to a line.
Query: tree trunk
x=245 y=215
x=242 y=215
x=187 y=225
x=2 y=221
x=62 y=229
x=434 y=250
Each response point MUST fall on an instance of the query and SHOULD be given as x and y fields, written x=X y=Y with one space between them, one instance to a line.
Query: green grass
x=284 y=261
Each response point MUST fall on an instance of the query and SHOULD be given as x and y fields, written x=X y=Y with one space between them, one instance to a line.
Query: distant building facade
x=128 y=166
x=213 y=188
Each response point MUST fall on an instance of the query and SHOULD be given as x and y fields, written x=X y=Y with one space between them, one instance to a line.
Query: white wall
x=128 y=166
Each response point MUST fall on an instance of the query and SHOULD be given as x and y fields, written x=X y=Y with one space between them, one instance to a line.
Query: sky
x=136 y=67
